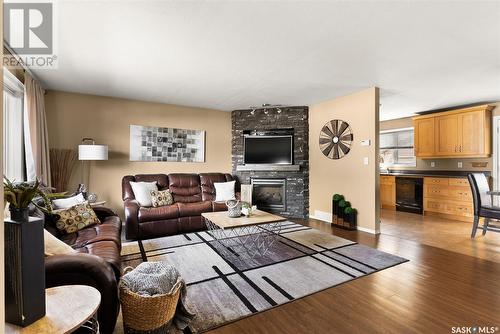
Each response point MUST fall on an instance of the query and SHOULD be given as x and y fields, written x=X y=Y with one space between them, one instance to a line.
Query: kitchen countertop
x=431 y=173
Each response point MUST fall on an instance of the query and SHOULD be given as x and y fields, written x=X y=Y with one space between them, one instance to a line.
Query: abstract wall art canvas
x=149 y=143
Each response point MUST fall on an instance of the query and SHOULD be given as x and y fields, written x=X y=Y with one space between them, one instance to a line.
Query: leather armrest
x=131 y=218
x=86 y=269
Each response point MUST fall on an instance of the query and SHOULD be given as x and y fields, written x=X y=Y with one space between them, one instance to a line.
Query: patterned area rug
x=222 y=288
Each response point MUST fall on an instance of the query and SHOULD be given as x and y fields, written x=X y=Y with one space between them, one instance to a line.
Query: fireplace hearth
x=269 y=194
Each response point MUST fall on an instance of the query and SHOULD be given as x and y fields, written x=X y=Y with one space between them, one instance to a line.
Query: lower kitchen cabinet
x=448 y=197
x=388 y=192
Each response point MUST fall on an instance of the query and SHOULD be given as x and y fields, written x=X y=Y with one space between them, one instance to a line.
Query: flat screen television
x=268 y=149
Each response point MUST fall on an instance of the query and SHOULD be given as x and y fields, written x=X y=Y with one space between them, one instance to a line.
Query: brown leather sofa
x=96 y=264
x=193 y=194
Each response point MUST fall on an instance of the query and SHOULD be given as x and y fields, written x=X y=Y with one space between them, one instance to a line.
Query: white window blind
x=396 y=148
x=13 y=143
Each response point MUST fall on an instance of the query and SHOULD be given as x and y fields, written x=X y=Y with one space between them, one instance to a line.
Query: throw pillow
x=224 y=191
x=54 y=246
x=142 y=192
x=161 y=198
x=66 y=203
x=75 y=218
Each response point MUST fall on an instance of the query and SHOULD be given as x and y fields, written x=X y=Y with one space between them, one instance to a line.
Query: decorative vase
x=19 y=214
x=233 y=208
x=24 y=271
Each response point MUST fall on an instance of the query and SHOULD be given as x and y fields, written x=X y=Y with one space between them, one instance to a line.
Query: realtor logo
x=28 y=27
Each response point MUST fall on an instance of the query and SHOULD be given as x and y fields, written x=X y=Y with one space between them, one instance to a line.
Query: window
x=13 y=142
x=396 y=148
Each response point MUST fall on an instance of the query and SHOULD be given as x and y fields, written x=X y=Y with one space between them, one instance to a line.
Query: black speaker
x=24 y=271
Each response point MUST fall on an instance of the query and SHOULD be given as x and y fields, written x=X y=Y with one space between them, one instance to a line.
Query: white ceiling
x=231 y=55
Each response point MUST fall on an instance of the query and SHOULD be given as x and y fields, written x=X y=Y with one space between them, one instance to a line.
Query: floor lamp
x=90 y=152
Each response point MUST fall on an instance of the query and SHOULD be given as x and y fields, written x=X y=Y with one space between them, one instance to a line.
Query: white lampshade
x=92 y=152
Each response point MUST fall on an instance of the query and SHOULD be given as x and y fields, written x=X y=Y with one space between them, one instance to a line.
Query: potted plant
x=20 y=195
x=342 y=205
x=350 y=217
x=246 y=209
x=335 y=206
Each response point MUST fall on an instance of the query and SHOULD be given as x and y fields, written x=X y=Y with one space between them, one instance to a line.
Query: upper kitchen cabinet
x=424 y=130
x=457 y=133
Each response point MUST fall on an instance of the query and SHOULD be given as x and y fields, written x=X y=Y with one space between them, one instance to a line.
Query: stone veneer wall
x=297 y=183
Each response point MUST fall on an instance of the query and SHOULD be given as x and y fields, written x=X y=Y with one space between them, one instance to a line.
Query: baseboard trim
x=327 y=218
x=368 y=230
x=322 y=215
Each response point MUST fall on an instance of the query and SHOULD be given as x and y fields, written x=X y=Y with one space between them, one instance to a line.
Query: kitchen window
x=396 y=148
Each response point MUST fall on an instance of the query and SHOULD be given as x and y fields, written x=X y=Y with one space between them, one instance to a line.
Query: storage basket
x=148 y=314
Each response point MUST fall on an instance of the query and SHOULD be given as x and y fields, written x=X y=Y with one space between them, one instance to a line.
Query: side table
x=69 y=307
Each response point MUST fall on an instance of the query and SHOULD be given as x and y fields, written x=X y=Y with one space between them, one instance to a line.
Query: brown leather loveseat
x=193 y=194
x=97 y=263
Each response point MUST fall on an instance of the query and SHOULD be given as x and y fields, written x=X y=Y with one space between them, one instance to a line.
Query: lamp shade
x=92 y=152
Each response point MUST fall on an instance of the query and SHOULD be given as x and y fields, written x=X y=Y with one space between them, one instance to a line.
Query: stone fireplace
x=269 y=194
x=289 y=197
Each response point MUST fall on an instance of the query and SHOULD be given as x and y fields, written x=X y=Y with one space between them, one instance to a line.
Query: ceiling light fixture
x=266 y=107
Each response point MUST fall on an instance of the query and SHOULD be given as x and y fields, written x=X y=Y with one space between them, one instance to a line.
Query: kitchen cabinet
x=388 y=192
x=448 y=197
x=447 y=135
x=424 y=130
x=453 y=134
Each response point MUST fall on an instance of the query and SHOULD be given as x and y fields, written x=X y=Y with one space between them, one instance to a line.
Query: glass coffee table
x=243 y=237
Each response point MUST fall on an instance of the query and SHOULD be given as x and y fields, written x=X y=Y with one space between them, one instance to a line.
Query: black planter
x=19 y=215
x=351 y=220
x=341 y=213
x=335 y=211
x=24 y=271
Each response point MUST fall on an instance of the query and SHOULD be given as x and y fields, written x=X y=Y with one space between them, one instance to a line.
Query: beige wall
x=440 y=164
x=347 y=176
x=72 y=117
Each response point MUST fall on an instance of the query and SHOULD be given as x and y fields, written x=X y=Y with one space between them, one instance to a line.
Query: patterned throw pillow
x=161 y=198
x=75 y=218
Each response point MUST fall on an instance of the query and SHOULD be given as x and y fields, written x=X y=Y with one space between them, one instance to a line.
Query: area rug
x=222 y=289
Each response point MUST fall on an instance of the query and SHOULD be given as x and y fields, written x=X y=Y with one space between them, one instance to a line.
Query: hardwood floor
x=442 y=233
x=449 y=281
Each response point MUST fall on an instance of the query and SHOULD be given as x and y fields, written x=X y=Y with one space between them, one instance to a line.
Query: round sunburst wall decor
x=335 y=139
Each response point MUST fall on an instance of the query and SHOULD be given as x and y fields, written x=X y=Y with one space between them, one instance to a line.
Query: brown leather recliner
x=96 y=264
x=193 y=194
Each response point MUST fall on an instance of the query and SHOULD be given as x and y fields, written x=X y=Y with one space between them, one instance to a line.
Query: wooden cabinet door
x=388 y=191
x=447 y=135
x=424 y=132
x=471 y=133
x=387 y=195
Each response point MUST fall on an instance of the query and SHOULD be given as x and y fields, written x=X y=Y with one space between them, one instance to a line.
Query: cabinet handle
x=455 y=148
x=460 y=148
